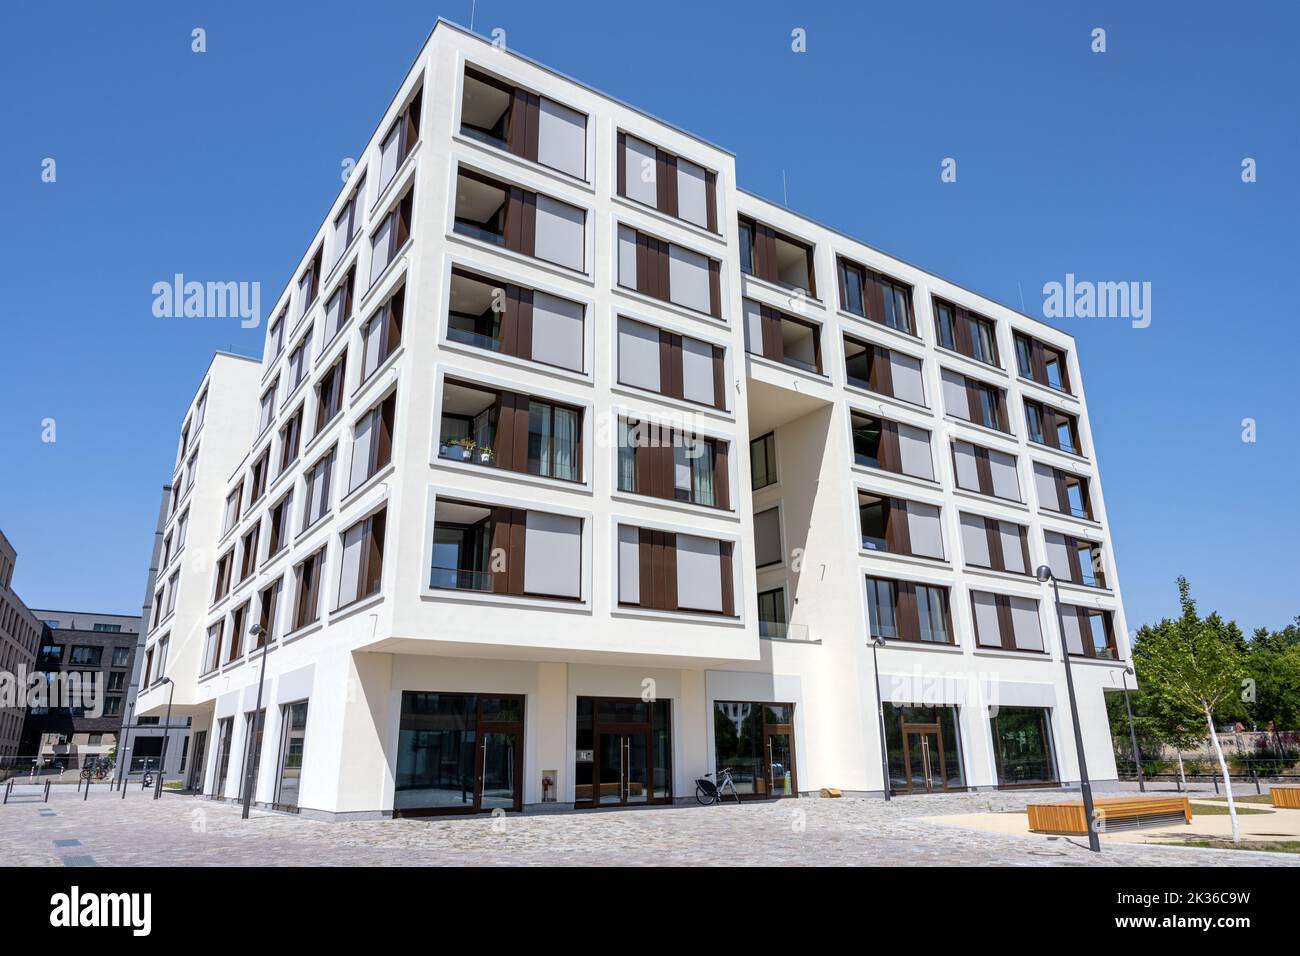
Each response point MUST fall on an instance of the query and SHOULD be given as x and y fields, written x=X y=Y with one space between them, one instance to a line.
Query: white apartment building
x=578 y=472
x=20 y=633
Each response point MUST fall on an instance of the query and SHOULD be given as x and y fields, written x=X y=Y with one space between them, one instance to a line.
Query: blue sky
x=1115 y=167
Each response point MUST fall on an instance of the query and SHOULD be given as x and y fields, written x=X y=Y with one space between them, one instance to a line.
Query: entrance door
x=923 y=757
x=623 y=768
x=195 y=780
x=622 y=753
x=497 y=779
x=756 y=742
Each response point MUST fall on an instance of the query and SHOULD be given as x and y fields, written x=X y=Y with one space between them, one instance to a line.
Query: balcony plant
x=460 y=449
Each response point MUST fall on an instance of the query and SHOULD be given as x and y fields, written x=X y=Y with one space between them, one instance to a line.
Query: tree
x=1195 y=665
x=1273 y=664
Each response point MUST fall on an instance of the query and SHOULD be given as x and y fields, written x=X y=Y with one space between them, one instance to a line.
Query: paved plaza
x=106 y=830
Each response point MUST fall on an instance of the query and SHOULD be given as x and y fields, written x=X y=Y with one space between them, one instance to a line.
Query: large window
x=529 y=223
x=767 y=538
x=84 y=656
x=382 y=334
x=874 y=296
x=317 y=489
x=771 y=614
x=225 y=729
x=372 y=444
x=306 y=607
x=1022 y=746
x=400 y=139
x=924 y=749
x=667 y=463
x=664 y=270
x=510 y=430
x=1007 y=622
x=661 y=570
x=891 y=446
x=909 y=611
x=391 y=236
x=293 y=736
x=530 y=126
x=776 y=257
x=363 y=559
x=762 y=461
x=899 y=526
x=672 y=185
x=515 y=320
x=756 y=740
x=543 y=551
x=669 y=364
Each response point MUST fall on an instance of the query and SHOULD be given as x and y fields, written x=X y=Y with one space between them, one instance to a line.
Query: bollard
x=8 y=787
x=87 y=794
x=1254 y=776
x=47 y=791
x=1216 y=783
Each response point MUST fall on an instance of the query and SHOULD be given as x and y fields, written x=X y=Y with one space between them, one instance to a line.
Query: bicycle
x=709 y=792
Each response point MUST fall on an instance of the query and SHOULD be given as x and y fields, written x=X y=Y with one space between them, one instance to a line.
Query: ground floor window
x=293 y=734
x=924 y=749
x=195 y=781
x=756 y=740
x=1022 y=746
x=224 y=730
x=459 y=753
x=254 y=725
x=623 y=752
x=146 y=753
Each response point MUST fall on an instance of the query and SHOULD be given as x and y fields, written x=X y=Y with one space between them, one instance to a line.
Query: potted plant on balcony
x=459 y=449
x=485 y=454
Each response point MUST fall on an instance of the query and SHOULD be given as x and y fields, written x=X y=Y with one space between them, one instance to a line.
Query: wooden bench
x=1115 y=813
x=1287 y=795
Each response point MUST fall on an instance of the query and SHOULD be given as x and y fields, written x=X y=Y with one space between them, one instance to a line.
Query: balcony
x=511 y=431
x=783 y=338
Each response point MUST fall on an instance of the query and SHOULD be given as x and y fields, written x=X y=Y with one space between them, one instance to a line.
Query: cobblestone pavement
x=181 y=830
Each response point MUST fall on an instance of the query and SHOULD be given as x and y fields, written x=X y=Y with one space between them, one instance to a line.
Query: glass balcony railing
x=460 y=579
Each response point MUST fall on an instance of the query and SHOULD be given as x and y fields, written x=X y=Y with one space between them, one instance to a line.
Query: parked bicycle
x=97 y=768
x=710 y=791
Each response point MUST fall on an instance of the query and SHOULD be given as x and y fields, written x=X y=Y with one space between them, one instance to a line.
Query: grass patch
x=1221 y=810
x=1271 y=846
x=1263 y=798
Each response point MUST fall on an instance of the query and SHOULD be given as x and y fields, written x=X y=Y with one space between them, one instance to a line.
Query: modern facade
x=20 y=633
x=100 y=648
x=571 y=472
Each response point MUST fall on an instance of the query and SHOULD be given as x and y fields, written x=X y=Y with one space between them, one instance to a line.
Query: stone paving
x=181 y=830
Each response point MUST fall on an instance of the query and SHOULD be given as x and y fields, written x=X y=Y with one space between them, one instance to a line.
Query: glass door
x=622 y=753
x=195 y=781
x=923 y=757
x=756 y=742
x=498 y=781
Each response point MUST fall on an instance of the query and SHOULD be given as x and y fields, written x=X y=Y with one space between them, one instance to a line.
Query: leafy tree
x=1273 y=665
x=1195 y=664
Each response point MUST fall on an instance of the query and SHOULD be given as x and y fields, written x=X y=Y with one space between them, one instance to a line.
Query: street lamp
x=1132 y=734
x=1044 y=574
x=123 y=753
x=162 y=764
x=250 y=771
x=878 y=642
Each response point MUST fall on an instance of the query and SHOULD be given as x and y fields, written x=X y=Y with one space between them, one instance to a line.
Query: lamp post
x=162 y=764
x=1044 y=575
x=124 y=754
x=877 y=643
x=250 y=771
x=1132 y=734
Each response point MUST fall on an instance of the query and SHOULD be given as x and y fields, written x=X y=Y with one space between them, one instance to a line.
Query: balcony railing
x=460 y=579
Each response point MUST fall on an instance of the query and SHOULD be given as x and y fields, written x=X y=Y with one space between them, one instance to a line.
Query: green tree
x=1195 y=665
x=1273 y=665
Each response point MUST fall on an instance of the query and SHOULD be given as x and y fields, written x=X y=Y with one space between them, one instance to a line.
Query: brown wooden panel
x=711 y=200
x=882 y=374
x=502 y=519
x=983 y=470
x=715 y=288
x=622 y=163
x=719 y=377
x=898 y=536
x=891 y=456
x=518 y=537
x=728 y=583
x=666 y=182
x=997 y=559
x=909 y=620
x=721 y=482
x=1006 y=628
x=524 y=325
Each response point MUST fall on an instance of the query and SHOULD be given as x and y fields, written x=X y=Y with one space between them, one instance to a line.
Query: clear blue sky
x=1116 y=166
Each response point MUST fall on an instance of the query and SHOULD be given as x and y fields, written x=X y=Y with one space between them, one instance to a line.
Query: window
x=363 y=559
x=1022 y=746
x=530 y=126
x=238 y=620
x=382 y=334
x=161 y=659
x=664 y=462
x=249 y=559
x=511 y=431
x=1006 y=622
x=908 y=611
x=783 y=338
x=173 y=583
x=771 y=614
x=348 y=222
x=677 y=366
x=543 y=551
x=1062 y=492
x=517 y=321
x=182 y=529
x=767 y=538
x=266 y=412
x=399 y=141
x=985 y=471
x=669 y=272
x=891 y=446
x=660 y=570
x=212 y=647
x=308 y=286
x=222 y=585
x=1041 y=363
x=1074 y=560
x=116 y=681
x=391 y=236
x=529 y=223
x=898 y=526
x=275 y=338
x=317 y=489
x=297 y=370
x=762 y=461
x=191 y=469
x=257 y=483
x=874 y=296
x=121 y=655
x=290 y=440
x=883 y=371
x=995 y=544
x=293 y=736
x=277 y=538
x=84 y=656
x=776 y=257
x=329 y=394
x=372 y=444
x=306 y=607
x=965 y=332
x=668 y=183
x=268 y=602
x=233 y=502
x=339 y=308
x=1052 y=428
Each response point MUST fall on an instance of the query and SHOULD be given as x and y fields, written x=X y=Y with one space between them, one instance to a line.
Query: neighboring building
x=572 y=472
x=20 y=632
x=99 y=647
